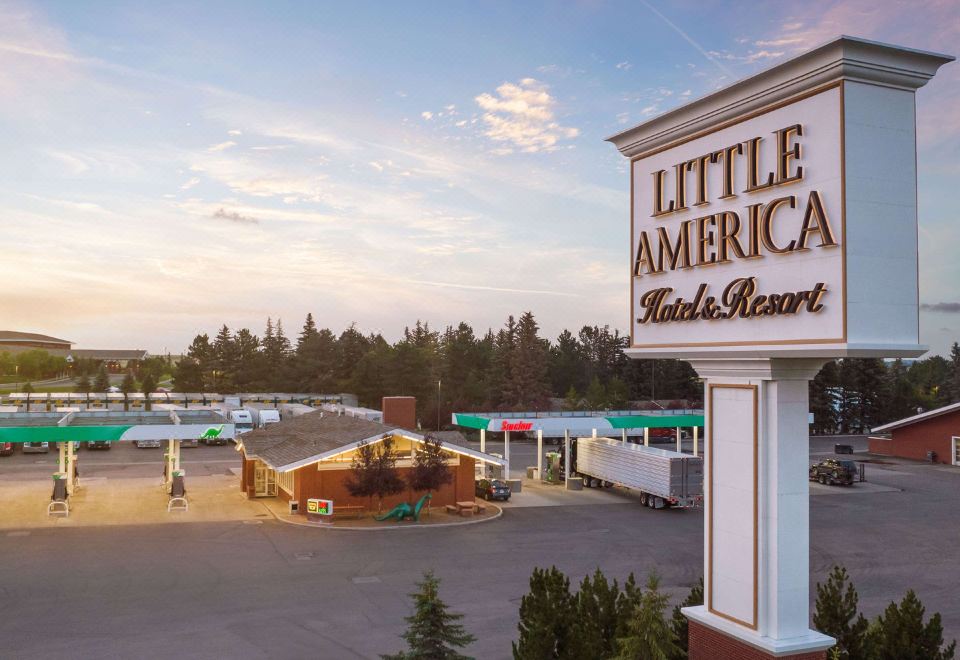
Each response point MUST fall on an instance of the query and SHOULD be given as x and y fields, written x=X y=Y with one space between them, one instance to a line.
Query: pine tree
x=83 y=384
x=596 y=396
x=680 y=624
x=433 y=632
x=902 y=402
x=823 y=398
x=129 y=384
x=28 y=388
x=617 y=394
x=953 y=384
x=597 y=616
x=900 y=633
x=102 y=381
x=572 y=399
x=649 y=636
x=627 y=603
x=527 y=376
x=547 y=618
x=836 y=614
x=225 y=359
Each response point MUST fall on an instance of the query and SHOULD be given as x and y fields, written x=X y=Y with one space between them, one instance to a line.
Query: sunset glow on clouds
x=165 y=169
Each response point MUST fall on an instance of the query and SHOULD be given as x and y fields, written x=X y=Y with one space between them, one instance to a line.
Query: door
x=264 y=482
x=956 y=450
x=260 y=481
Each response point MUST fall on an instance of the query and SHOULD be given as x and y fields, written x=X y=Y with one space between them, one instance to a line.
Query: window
x=285 y=481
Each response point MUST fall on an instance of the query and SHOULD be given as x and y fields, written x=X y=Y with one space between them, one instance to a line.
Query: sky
x=166 y=168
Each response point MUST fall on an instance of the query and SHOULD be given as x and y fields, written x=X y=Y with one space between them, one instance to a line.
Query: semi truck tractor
x=662 y=478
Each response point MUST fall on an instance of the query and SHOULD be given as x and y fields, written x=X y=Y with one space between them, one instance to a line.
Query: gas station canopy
x=113 y=426
x=555 y=424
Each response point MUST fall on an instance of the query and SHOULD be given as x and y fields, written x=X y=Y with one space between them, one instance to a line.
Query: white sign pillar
x=696 y=438
x=566 y=453
x=774 y=227
x=624 y=436
x=646 y=436
x=755 y=477
x=483 y=440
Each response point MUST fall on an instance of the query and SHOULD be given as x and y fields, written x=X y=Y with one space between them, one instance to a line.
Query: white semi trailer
x=262 y=414
x=662 y=478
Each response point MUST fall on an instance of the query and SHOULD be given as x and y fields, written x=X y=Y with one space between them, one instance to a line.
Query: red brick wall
x=400 y=412
x=708 y=644
x=246 y=477
x=916 y=440
x=309 y=482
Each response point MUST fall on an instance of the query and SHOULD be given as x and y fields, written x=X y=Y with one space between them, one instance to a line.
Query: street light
x=438 y=403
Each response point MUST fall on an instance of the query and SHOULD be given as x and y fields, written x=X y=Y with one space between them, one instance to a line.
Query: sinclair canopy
x=556 y=424
x=113 y=426
x=778 y=216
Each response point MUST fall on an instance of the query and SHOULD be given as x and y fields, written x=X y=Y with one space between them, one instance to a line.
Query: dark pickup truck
x=834 y=472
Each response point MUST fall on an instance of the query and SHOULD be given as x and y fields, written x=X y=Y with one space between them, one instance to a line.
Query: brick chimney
x=400 y=412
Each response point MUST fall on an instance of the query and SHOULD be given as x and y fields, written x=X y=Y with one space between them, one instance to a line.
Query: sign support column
x=757 y=506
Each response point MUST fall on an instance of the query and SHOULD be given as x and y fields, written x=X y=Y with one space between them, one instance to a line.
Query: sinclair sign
x=770 y=234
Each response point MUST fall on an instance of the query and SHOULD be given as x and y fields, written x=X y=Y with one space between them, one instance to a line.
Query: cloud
x=190 y=184
x=234 y=132
x=223 y=146
x=522 y=115
x=426 y=114
x=943 y=307
x=233 y=216
x=624 y=66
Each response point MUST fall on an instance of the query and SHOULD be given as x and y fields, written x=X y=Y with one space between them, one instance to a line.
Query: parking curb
x=331 y=527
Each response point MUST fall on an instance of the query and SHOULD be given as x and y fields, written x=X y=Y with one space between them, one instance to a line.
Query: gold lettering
x=753 y=215
x=700 y=164
x=728 y=236
x=705 y=240
x=678 y=255
x=727 y=156
x=658 y=197
x=815 y=221
x=644 y=257
x=786 y=153
x=753 y=167
x=766 y=224
x=680 y=173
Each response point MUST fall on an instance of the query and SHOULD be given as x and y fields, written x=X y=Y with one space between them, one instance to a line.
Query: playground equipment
x=403 y=510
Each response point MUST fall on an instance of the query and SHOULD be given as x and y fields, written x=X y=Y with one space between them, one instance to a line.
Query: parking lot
x=257 y=588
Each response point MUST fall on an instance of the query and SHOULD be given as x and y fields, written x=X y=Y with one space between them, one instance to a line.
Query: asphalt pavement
x=261 y=588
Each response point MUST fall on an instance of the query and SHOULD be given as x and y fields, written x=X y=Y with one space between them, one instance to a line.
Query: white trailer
x=262 y=413
x=291 y=410
x=662 y=478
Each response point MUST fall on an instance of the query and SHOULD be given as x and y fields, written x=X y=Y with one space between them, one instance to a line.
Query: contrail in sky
x=689 y=40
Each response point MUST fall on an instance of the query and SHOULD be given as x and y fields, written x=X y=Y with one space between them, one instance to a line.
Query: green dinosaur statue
x=404 y=510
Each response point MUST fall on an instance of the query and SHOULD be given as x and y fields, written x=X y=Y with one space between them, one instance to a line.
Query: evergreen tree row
x=512 y=368
x=855 y=394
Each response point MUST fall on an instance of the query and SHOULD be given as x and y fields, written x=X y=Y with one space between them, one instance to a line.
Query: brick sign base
x=708 y=644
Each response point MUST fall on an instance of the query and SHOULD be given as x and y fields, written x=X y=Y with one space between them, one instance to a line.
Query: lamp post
x=439 y=382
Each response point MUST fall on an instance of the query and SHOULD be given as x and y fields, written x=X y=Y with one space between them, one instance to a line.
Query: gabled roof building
x=931 y=436
x=310 y=457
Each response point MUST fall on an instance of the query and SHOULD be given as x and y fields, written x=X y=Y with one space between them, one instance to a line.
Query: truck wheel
x=586 y=481
x=607 y=484
x=643 y=499
x=822 y=479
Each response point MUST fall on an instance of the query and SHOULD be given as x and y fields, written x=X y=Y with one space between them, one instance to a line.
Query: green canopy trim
x=62 y=433
x=472 y=422
x=655 y=421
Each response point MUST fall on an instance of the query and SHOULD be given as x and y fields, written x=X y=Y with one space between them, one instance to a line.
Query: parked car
x=834 y=471
x=6 y=448
x=492 y=489
x=150 y=444
x=36 y=447
x=98 y=444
